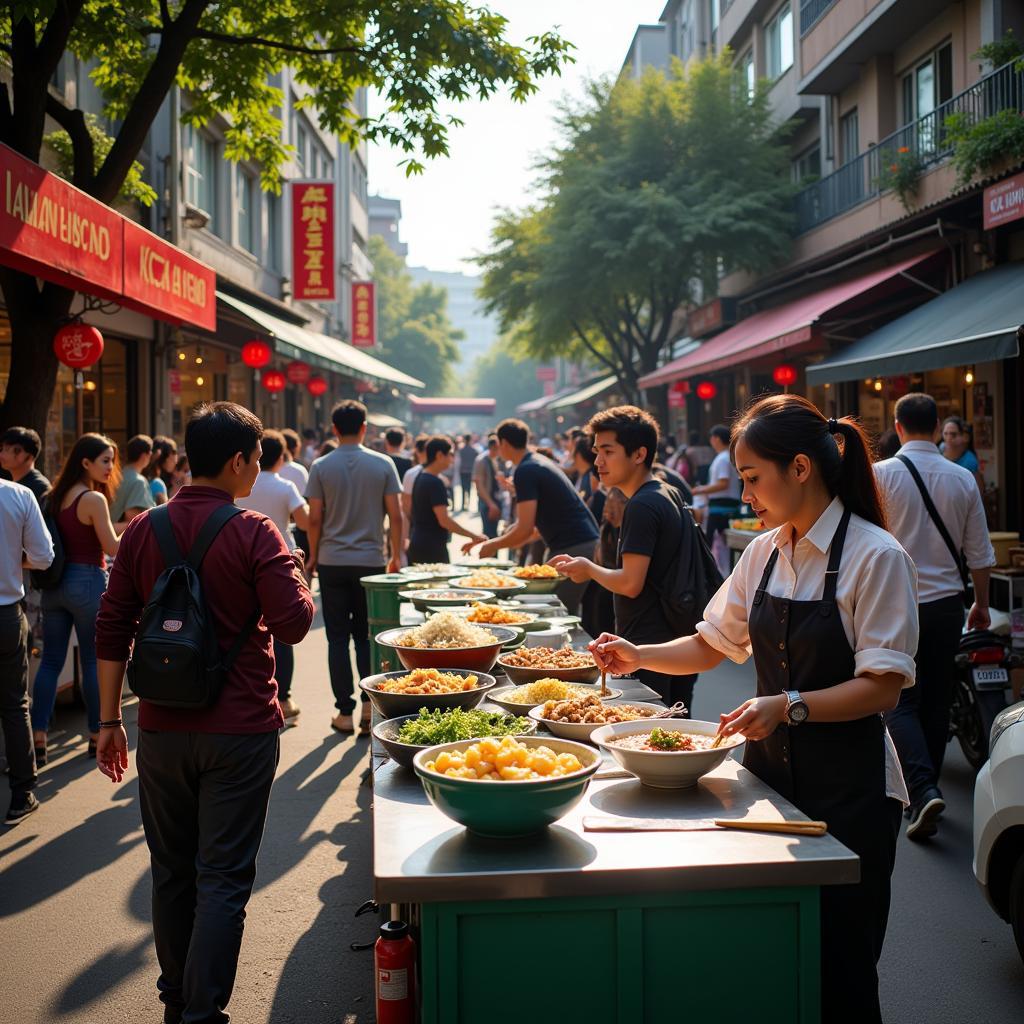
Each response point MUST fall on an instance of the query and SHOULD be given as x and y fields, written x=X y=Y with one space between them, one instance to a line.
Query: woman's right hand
x=615 y=655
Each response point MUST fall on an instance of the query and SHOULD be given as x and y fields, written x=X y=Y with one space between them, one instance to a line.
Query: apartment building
x=901 y=276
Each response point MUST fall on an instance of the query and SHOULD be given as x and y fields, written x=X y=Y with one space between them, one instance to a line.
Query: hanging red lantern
x=256 y=354
x=274 y=381
x=681 y=387
x=78 y=345
x=706 y=390
x=297 y=372
x=316 y=386
x=363 y=386
x=784 y=375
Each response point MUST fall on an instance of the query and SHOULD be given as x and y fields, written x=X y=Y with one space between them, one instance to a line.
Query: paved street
x=74 y=893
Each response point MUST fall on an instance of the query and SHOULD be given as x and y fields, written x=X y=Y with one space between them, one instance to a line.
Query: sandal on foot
x=345 y=730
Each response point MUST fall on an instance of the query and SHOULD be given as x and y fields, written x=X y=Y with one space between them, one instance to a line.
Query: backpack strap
x=206 y=536
x=933 y=512
x=160 y=521
x=228 y=659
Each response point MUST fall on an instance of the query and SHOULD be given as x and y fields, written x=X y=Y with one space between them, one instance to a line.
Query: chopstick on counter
x=601 y=823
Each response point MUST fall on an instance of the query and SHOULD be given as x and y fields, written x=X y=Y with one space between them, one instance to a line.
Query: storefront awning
x=973 y=323
x=452 y=406
x=320 y=350
x=539 y=404
x=382 y=421
x=584 y=394
x=772 y=330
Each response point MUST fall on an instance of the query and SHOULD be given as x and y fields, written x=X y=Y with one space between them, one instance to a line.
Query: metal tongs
x=678 y=710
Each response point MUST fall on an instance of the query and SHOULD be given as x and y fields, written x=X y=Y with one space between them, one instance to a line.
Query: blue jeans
x=74 y=602
x=490 y=526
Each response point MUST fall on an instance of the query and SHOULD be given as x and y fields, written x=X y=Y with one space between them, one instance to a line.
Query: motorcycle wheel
x=971 y=733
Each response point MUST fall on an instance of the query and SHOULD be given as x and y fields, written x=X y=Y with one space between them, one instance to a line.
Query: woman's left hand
x=755 y=719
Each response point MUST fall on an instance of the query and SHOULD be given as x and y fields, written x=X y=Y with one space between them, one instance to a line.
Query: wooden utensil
x=604 y=683
x=601 y=823
x=718 y=741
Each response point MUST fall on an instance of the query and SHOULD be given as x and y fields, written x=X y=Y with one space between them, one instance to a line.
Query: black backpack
x=50 y=577
x=176 y=661
x=692 y=577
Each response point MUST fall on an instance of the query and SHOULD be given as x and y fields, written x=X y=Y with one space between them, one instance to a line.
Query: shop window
x=928 y=84
x=245 y=196
x=806 y=168
x=201 y=172
x=779 y=43
x=748 y=73
x=199 y=374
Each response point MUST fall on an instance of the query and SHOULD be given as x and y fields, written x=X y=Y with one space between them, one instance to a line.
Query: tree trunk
x=35 y=316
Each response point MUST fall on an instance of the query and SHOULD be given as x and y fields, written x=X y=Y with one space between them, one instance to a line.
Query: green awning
x=976 y=322
x=592 y=390
x=320 y=350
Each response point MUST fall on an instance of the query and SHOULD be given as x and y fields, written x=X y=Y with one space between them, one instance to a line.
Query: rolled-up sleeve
x=724 y=626
x=36 y=541
x=977 y=544
x=885 y=626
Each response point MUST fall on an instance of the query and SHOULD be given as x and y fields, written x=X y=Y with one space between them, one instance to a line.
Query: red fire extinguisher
x=394 y=961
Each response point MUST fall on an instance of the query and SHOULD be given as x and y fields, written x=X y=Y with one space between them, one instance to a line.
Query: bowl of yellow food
x=394 y=694
x=539 y=579
x=519 y=700
x=490 y=580
x=512 y=786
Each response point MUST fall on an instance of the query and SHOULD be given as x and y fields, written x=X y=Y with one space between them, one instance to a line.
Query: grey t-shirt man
x=134 y=492
x=352 y=482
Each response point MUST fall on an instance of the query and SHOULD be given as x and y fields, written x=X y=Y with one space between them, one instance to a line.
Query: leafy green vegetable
x=457 y=724
x=665 y=740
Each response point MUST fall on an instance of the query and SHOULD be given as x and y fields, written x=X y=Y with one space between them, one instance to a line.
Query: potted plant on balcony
x=900 y=171
x=985 y=144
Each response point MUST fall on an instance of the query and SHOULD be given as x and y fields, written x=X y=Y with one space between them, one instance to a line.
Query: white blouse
x=876 y=593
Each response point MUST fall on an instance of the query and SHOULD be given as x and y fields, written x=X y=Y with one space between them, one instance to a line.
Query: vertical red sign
x=313 y=240
x=364 y=314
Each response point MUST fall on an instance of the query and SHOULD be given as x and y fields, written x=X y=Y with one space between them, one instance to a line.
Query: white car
x=999 y=821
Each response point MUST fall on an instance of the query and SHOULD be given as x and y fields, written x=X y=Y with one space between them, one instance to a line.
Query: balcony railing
x=927 y=139
x=811 y=11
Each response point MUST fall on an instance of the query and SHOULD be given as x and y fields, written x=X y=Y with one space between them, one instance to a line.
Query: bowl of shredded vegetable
x=404 y=737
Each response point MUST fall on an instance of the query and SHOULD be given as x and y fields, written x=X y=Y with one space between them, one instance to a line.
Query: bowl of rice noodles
x=448 y=641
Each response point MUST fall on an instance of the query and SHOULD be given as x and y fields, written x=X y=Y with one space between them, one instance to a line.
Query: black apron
x=833 y=771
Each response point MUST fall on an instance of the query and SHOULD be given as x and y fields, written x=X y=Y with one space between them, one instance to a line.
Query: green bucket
x=382 y=603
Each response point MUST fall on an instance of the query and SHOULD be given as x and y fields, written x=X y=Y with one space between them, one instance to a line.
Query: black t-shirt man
x=651 y=526
x=402 y=464
x=563 y=521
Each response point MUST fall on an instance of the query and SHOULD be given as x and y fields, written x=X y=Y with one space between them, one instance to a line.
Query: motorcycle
x=983 y=664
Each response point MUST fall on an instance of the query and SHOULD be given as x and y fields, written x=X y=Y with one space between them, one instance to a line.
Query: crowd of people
x=851 y=602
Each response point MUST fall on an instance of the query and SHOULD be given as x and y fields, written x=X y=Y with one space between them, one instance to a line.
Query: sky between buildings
x=447 y=210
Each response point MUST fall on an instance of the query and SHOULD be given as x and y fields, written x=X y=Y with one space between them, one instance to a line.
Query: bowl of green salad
x=405 y=737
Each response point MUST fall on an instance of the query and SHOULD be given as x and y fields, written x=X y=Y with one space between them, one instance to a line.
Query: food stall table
x=737 y=542
x=603 y=928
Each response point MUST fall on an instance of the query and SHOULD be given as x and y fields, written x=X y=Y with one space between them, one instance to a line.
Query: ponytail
x=780 y=427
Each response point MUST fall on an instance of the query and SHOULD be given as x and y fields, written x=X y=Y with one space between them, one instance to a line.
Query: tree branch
x=83 y=153
x=592 y=348
x=274 y=44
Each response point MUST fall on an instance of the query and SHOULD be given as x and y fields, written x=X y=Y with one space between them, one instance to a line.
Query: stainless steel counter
x=421 y=856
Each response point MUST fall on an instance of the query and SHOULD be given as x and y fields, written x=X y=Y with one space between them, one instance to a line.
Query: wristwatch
x=796 y=709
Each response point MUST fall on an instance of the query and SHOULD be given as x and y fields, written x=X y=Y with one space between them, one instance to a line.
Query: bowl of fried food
x=491 y=580
x=521 y=699
x=666 y=755
x=448 y=641
x=576 y=718
x=539 y=579
x=394 y=694
x=566 y=663
x=513 y=786
x=403 y=738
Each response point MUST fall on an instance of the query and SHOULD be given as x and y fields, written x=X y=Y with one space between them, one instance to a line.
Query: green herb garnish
x=457 y=724
x=665 y=740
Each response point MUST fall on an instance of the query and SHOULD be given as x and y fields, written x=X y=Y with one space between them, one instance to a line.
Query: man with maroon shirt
x=205 y=776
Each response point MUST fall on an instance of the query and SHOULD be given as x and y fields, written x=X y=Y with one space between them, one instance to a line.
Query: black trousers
x=671 y=688
x=21 y=763
x=204 y=803
x=919 y=724
x=345 y=619
x=284 y=668
x=466 y=486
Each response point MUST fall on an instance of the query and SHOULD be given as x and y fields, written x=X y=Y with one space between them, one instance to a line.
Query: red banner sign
x=547 y=373
x=52 y=228
x=313 y=240
x=712 y=316
x=156 y=274
x=1004 y=202
x=676 y=400
x=364 y=314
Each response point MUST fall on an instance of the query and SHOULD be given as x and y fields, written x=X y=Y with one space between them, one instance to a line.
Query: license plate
x=990 y=677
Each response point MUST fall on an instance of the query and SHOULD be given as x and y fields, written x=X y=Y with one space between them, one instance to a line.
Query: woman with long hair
x=826 y=601
x=79 y=503
x=160 y=471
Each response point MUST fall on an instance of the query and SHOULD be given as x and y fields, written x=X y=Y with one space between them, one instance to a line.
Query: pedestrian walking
x=205 y=773
x=133 y=495
x=935 y=511
x=466 y=459
x=310 y=447
x=394 y=448
x=625 y=440
x=958 y=447
x=488 y=488
x=79 y=506
x=723 y=493
x=545 y=502
x=292 y=469
x=19 y=449
x=279 y=500
x=160 y=471
x=826 y=600
x=25 y=540
x=432 y=522
x=350 y=493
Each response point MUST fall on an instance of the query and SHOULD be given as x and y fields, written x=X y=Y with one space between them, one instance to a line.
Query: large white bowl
x=516 y=708
x=582 y=731
x=665 y=769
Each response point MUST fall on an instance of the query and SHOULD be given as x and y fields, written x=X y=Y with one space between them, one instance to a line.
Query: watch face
x=798 y=712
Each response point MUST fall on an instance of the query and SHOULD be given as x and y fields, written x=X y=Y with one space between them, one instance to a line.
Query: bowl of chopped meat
x=529 y=664
x=576 y=718
x=665 y=755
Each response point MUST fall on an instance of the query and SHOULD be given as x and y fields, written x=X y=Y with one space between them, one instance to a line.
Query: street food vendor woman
x=826 y=601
